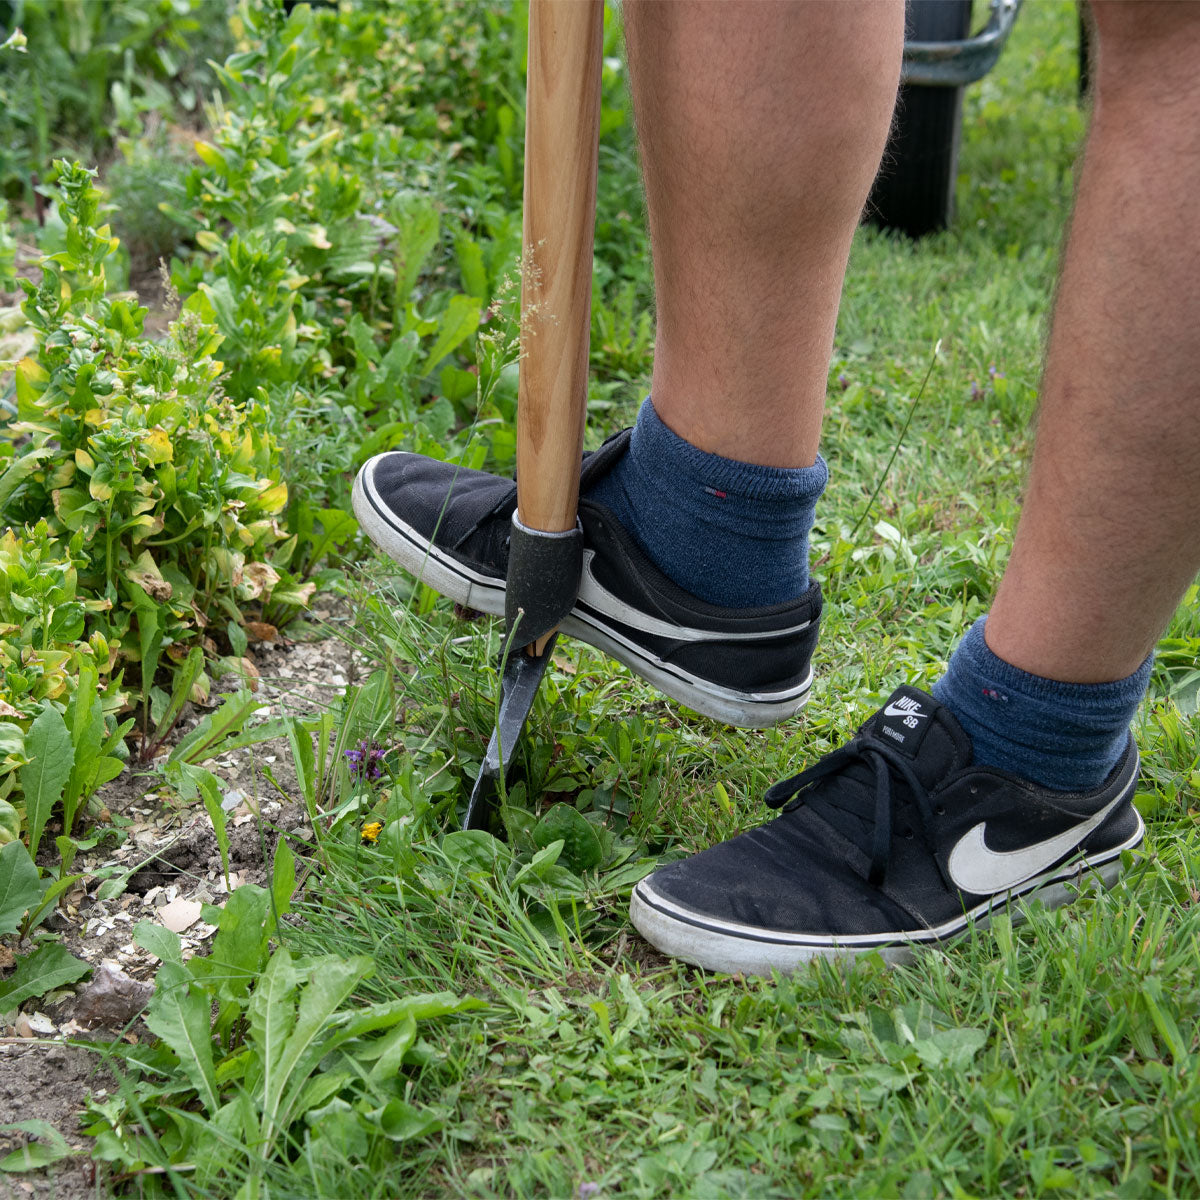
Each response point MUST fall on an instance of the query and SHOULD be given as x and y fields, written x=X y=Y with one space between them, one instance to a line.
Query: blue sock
x=732 y=533
x=1066 y=736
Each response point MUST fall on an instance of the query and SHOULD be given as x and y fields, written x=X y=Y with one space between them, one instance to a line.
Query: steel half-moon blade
x=518 y=686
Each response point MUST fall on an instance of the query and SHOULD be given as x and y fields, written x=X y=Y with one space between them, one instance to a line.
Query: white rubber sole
x=455 y=580
x=741 y=949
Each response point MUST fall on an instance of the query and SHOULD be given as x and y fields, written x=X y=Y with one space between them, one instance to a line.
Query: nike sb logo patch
x=908 y=709
x=904 y=720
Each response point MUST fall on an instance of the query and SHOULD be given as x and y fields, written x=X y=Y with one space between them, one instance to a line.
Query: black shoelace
x=885 y=763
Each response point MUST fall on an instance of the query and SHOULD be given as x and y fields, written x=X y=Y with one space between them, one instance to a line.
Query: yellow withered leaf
x=158 y=446
x=273 y=498
x=31 y=380
x=209 y=155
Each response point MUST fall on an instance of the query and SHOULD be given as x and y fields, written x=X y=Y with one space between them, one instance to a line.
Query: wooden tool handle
x=562 y=130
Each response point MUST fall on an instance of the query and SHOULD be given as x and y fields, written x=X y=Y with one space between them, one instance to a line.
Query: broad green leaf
x=336 y=1130
x=337 y=526
x=439 y=416
x=20 y=470
x=363 y=338
x=149 y=632
x=458 y=386
x=319 y=1090
x=395 y=1046
x=182 y=1017
x=31 y=381
x=51 y=756
x=397 y=360
x=10 y=823
x=471 y=267
x=581 y=847
x=476 y=850
x=210 y=792
x=50 y=966
x=330 y=982
x=224 y=309
x=159 y=940
x=12 y=738
x=506 y=119
x=240 y=948
x=85 y=716
x=33 y=1156
x=953 y=1048
x=106 y=769
x=272 y=1014
x=416 y=219
x=283 y=878
x=373 y=1017
x=400 y=1121
x=19 y=887
x=542 y=862
x=456 y=324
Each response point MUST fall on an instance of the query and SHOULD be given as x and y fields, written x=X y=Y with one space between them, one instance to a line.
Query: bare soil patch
x=167 y=866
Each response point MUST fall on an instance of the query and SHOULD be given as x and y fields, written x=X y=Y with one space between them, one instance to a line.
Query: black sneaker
x=892 y=842
x=449 y=527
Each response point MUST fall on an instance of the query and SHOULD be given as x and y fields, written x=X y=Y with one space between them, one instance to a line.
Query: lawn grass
x=1058 y=1056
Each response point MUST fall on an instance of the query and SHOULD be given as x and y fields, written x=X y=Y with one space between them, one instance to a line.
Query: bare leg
x=761 y=126
x=1109 y=538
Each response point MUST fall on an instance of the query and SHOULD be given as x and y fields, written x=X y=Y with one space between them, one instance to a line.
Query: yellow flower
x=371 y=831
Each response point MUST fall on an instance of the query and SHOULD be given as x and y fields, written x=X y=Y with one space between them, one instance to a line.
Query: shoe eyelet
x=974 y=791
x=908 y=833
x=940 y=811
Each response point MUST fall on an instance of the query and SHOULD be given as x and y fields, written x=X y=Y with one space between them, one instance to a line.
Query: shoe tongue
x=908 y=721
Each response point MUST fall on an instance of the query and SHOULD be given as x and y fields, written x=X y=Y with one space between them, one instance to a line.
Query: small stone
x=112 y=998
x=232 y=799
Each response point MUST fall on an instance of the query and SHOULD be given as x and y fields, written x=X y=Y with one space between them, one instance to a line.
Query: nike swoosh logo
x=974 y=868
x=594 y=594
x=893 y=711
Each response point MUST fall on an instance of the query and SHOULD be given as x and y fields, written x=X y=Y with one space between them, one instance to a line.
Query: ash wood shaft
x=562 y=127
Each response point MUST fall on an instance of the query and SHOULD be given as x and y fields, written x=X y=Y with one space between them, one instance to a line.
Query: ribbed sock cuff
x=653 y=444
x=1066 y=736
x=732 y=533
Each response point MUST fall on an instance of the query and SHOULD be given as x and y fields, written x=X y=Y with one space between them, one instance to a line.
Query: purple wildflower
x=843 y=382
x=365 y=761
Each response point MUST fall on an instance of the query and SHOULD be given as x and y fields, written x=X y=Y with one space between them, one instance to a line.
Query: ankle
x=1065 y=736
x=731 y=533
